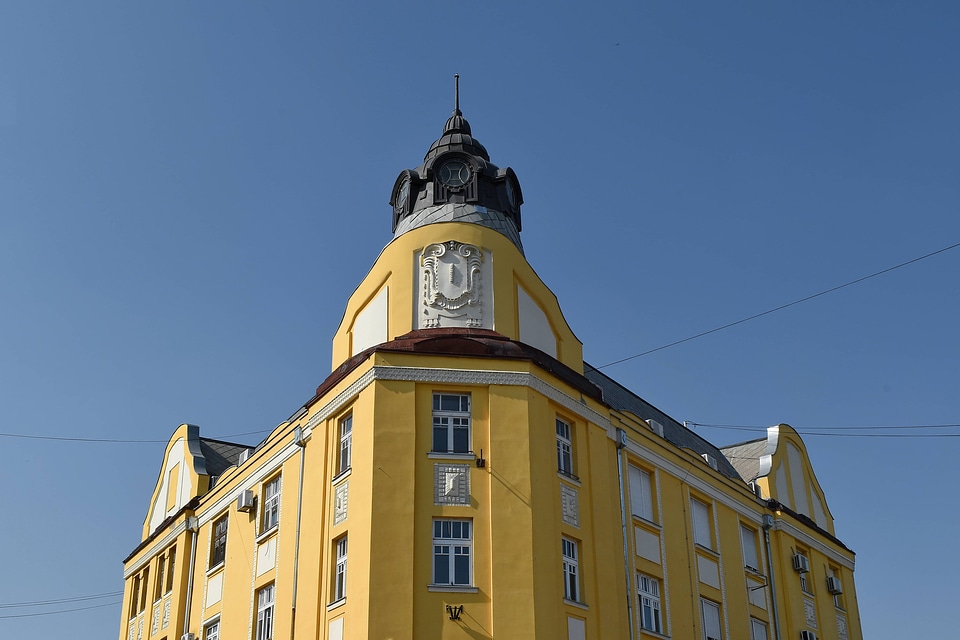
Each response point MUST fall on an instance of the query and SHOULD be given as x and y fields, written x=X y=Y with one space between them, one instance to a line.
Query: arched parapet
x=183 y=476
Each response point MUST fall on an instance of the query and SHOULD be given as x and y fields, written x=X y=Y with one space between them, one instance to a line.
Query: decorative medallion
x=451 y=484
x=570 y=505
x=450 y=274
x=340 y=502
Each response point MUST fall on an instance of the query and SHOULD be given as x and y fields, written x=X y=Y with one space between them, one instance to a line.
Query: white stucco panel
x=576 y=629
x=214 y=589
x=798 y=480
x=370 y=327
x=267 y=556
x=178 y=456
x=709 y=571
x=336 y=629
x=535 y=329
x=648 y=544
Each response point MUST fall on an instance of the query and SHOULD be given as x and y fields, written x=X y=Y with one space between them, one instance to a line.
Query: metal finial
x=456 y=93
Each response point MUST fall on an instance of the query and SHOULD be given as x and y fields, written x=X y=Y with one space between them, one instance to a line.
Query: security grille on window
x=710 y=619
x=564 y=448
x=346 y=444
x=212 y=631
x=271 y=504
x=218 y=549
x=265 y=613
x=640 y=493
x=451 y=422
x=452 y=545
x=649 y=592
x=571 y=578
x=340 y=579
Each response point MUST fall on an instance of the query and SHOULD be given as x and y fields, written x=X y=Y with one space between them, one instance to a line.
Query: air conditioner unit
x=834 y=586
x=757 y=491
x=245 y=501
x=188 y=636
x=244 y=456
x=807 y=635
x=710 y=460
x=801 y=563
x=656 y=427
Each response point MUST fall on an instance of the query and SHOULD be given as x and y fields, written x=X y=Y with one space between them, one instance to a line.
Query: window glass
x=451 y=423
x=748 y=542
x=218 y=547
x=564 y=448
x=710 y=617
x=571 y=579
x=452 y=552
x=640 y=493
x=701 y=523
x=649 y=592
x=346 y=444
x=271 y=504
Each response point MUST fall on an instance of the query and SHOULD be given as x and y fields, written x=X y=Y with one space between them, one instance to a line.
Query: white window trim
x=340 y=571
x=346 y=444
x=451 y=555
x=265 y=612
x=271 y=503
x=641 y=492
x=565 y=464
x=656 y=604
x=450 y=417
x=571 y=569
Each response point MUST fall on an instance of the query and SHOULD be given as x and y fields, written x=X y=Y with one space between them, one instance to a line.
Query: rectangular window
x=571 y=566
x=265 y=613
x=271 y=505
x=649 y=592
x=135 y=599
x=218 y=549
x=452 y=545
x=451 y=422
x=346 y=444
x=143 y=589
x=758 y=629
x=702 y=525
x=564 y=448
x=212 y=631
x=171 y=563
x=710 y=619
x=748 y=543
x=340 y=577
x=161 y=568
x=805 y=584
x=640 y=493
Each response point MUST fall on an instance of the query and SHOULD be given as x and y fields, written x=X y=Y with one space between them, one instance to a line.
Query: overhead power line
x=117 y=440
x=42 y=603
x=780 y=308
x=59 y=611
x=841 y=432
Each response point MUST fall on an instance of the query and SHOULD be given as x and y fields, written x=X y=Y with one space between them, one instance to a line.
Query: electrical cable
x=53 y=613
x=42 y=603
x=117 y=440
x=780 y=308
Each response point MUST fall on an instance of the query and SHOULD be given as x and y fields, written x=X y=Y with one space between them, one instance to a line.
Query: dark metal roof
x=220 y=455
x=622 y=399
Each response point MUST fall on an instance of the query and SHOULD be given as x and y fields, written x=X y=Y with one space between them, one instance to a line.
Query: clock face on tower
x=454 y=173
x=402 y=193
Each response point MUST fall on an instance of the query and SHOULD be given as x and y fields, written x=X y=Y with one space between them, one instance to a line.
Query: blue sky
x=190 y=190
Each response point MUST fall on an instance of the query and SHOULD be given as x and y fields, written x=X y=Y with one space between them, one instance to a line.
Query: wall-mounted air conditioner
x=188 y=636
x=244 y=456
x=656 y=427
x=245 y=501
x=807 y=635
x=757 y=491
x=834 y=586
x=801 y=563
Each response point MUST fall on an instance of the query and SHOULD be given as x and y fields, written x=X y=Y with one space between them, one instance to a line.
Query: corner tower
x=456 y=263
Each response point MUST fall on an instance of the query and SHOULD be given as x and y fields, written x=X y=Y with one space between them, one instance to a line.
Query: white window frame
x=565 y=447
x=211 y=630
x=569 y=549
x=710 y=620
x=641 y=492
x=702 y=523
x=270 y=516
x=758 y=630
x=452 y=541
x=451 y=423
x=265 y=608
x=340 y=573
x=345 y=453
x=648 y=592
x=748 y=546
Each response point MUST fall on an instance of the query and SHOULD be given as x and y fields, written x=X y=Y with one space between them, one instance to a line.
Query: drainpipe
x=621 y=443
x=298 y=438
x=767 y=525
x=193 y=527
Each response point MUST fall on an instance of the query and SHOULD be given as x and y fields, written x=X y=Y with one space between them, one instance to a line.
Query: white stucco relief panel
x=176 y=459
x=454 y=286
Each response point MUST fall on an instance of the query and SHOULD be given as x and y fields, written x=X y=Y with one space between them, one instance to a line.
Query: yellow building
x=462 y=473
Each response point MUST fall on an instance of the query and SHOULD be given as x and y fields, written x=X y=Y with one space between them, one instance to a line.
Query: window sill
x=574 y=603
x=342 y=475
x=336 y=604
x=213 y=570
x=569 y=477
x=450 y=455
x=260 y=539
x=649 y=523
x=707 y=550
x=652 y=633
x=452 y=588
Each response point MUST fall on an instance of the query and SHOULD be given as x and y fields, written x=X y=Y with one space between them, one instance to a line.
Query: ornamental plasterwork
x=810 y=613
x=570 y=505
x=451 y=484
x=451 y=286
x=340 y=503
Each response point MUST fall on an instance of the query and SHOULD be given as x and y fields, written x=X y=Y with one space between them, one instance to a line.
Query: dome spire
x=456 y=94
x=456 y=123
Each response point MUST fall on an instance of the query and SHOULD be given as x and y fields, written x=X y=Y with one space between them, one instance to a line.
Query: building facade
x=462 y=473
